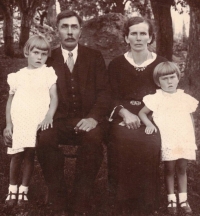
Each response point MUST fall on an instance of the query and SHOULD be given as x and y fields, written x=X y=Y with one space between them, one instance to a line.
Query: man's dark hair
x=67 y=14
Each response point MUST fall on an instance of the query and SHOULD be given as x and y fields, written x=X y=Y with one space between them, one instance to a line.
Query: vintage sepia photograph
x=99 y=107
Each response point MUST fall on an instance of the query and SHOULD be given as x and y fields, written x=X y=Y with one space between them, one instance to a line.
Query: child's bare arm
x=48 y=121
x=192 y=121
x=150 y=127
x=7 y=133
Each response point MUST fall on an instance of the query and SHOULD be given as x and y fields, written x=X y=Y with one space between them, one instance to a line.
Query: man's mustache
x=70 y=39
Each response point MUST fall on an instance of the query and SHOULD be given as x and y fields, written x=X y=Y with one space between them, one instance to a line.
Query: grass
x=100 y=201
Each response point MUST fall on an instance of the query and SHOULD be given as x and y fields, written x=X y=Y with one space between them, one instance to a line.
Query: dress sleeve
x=191 y=103
x=150 y=102
x=51 y=77
x=12 y=82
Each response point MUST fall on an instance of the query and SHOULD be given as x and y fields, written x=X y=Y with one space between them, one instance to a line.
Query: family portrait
x=99 y=108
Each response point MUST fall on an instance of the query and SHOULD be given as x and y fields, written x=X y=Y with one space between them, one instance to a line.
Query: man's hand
x=131 y=121
x=7 y=135
x=150 y=129
x=86 y=125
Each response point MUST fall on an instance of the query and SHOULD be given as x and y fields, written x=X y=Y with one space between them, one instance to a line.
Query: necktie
x=70 y=61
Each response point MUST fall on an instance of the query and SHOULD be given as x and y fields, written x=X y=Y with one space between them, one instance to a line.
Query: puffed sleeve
x=191 y=103
x=12 y=82
x=151 y=102
x=51 y=77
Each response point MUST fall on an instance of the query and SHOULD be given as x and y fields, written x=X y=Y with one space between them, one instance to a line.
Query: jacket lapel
x=59 y=67
x=83 y=68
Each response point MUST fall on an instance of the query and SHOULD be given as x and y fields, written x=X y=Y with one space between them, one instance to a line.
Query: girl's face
x=138 y=36
x=36 y=58
x=169 y=83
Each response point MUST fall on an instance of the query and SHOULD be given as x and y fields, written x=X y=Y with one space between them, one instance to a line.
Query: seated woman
x=133 y=155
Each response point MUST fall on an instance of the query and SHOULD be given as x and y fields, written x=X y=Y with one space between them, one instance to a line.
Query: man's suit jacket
x=92 y=79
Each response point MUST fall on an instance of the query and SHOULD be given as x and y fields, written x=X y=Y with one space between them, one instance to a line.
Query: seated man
x=84 y=97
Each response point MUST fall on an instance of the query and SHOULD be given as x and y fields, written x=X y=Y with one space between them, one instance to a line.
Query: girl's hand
x=46 y=123
x=150 y=129
x=7 y=135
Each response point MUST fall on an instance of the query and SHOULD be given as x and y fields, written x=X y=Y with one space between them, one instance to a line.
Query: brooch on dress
x=139 y=68
x=135 y=103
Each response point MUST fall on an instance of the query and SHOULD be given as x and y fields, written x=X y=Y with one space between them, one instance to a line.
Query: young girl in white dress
x=31 y=105
x=172 y=110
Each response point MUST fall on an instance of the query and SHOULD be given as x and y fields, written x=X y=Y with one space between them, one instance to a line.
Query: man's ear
x=56 y=31
x=80 y=33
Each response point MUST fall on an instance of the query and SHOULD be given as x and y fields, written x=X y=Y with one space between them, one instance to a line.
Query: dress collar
x=144 y=64
x=160 y=91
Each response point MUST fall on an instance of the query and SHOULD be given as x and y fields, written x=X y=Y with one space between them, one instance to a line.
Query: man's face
x=69 y=31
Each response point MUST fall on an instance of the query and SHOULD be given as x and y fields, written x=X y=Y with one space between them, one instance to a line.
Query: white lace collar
x=144 y=64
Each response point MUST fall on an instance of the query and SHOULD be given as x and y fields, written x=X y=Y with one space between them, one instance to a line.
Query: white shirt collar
x=65 y=53
x=144 y=64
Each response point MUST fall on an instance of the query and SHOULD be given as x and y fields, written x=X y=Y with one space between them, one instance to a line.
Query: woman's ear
x=26 y=55
x=150 y=39
x=127 y=40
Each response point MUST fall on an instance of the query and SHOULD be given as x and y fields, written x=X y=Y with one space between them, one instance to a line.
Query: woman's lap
x=133 y=160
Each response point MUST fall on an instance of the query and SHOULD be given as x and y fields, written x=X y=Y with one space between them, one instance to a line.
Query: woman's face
x=138 y=36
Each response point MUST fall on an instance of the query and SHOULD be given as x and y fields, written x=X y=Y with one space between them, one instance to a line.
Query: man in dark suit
x=83 y=104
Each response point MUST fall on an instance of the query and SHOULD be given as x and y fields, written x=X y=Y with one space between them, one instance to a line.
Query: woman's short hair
x=165 y=68
x=68 y=14
x=137 y=20
x=37 y=41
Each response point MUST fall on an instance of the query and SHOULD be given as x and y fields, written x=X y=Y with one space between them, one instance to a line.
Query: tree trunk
x=119 y=8
x=8 y=33
x=51 y=15
x=27 y=9
x=25 y=29
x=191 y=77
x=192 y=70
x=164 y=36
x=148 y=9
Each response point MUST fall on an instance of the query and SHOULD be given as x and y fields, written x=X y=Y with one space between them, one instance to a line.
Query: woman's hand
x=7 y=135
x=131 y=121
x=48 y=121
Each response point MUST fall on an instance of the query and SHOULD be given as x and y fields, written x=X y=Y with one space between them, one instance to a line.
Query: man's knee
x=92 y=142
x=95 y=136
x=47 y=138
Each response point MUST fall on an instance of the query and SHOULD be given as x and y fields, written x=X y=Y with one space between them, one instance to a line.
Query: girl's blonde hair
x=37 y=41
x=165 y=68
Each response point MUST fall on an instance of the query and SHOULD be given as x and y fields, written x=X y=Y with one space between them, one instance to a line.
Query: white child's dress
x=171 y=113
x=30 y=104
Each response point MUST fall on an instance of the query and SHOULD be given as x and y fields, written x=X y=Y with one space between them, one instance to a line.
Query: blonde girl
x=31 y=105
x=172 y=110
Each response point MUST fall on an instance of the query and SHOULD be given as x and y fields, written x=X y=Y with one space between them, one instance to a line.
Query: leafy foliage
x=180 y=5
x=91 y=8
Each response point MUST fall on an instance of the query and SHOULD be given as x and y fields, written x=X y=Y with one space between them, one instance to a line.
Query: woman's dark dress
x=133 y=155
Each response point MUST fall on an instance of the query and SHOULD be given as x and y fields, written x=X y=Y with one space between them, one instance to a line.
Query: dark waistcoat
x=74 y=96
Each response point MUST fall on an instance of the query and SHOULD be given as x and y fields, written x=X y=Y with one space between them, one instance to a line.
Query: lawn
x=100 y=200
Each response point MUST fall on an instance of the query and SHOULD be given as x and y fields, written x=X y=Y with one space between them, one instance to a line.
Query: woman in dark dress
x=133 y=155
